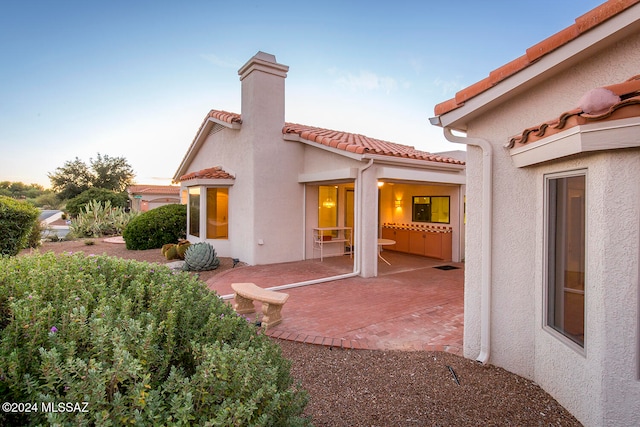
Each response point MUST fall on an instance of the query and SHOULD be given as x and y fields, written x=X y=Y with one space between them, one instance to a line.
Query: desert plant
x=200 y=257
x=141 y=344
x=100 y=219
x=78 y=204
x=155 y=228
x=17 y=221
x=175 y=250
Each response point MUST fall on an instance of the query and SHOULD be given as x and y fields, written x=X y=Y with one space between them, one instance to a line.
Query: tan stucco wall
x=600 y=387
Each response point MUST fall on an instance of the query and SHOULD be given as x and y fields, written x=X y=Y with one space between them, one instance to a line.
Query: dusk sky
x=135 y=79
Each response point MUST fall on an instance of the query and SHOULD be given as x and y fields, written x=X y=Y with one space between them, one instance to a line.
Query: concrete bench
x=272 y=302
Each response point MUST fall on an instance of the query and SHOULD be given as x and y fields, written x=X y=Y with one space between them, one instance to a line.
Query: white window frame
x=545 y=315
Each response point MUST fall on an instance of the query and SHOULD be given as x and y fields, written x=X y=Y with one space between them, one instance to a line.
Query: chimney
x=262 y=80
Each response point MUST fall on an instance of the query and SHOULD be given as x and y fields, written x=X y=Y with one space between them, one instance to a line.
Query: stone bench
x=272 y=302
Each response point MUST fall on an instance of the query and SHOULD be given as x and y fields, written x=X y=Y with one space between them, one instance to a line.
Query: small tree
x=112 y=173
x=75 y=177
x=71 y=179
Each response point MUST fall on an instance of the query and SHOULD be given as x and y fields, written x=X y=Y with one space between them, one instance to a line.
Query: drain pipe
x=356 y=254
x=487 y=221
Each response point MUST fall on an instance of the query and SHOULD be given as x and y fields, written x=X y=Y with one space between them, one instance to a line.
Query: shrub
x=77 y=204
x=17 y=220
x=154 y=228
x=99 y=219
x=141 y=344
x=35 y=235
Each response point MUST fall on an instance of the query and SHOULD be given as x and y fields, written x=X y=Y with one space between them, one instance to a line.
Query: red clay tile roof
x=153 y=189
x=211 y=173
x=224 y=116
x=361 y=144
x=350 y=142
x=607 y=103
x=582 y=24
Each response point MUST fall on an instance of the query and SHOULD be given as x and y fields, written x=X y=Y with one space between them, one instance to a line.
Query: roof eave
x=416 y=163
x=297 y=138
x=198 y=141
x=378 y=158
x=609 y=32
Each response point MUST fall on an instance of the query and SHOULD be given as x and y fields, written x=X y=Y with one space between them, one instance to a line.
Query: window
x=430 y=209
x=194 y=211
x=217 y=213
x=565 y=245
x=327 y=206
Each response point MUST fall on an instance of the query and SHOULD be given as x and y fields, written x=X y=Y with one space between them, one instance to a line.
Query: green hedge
x=157 y=227
x=142 y=345
x=17 y=220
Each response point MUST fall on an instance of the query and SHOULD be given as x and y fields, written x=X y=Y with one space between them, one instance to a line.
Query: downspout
x=357 y=240
x=487 y=221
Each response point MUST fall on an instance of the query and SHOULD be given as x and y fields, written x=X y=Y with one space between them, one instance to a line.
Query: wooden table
x=381 y=243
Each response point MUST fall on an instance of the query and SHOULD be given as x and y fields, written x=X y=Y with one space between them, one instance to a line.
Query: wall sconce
x=398 y=203
x=329 y=203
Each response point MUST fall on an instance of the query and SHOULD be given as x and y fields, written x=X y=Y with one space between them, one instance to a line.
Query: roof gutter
x=487 y=221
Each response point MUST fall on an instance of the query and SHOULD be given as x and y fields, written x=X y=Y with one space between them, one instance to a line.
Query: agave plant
x=200 y=257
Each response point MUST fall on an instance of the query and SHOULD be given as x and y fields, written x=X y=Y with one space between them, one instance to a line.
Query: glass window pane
x=430 y=209
x=566 y=256
x=217 y=213
x=194 y=211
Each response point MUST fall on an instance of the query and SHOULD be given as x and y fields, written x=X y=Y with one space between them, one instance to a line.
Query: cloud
x=448 y=87
x=221 y=62
x=365 y=81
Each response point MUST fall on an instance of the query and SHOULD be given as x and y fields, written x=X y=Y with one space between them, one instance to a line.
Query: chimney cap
x=265 y=62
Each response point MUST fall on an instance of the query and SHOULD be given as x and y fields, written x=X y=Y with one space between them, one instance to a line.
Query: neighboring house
x=553 y=210
x=145 y=197
x=257 y=187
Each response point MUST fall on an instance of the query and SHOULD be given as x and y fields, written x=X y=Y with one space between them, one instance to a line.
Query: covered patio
x=412 y=304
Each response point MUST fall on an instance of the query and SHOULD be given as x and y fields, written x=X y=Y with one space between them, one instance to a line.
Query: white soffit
x=420 y=175
x=330 y=175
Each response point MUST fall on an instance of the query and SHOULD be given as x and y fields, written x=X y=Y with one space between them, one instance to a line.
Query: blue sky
x=136 y=78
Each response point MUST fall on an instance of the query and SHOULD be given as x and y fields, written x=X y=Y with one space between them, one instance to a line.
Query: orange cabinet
x=402 y=240
x=400 y=236
x=416 y=242
x=433 y=244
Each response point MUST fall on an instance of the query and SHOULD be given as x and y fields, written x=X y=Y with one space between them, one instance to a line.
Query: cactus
x=173 y=251
x=199 y=257
x=169 y=251
x=181 y=248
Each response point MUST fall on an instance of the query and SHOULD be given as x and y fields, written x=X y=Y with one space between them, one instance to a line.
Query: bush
x=141 y=344
x=154 y=228
x=17 y=220
x=99 y=219
x=117 y=200
x=35 y=235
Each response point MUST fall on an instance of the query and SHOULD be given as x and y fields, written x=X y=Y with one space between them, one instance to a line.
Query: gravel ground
x=390 y=388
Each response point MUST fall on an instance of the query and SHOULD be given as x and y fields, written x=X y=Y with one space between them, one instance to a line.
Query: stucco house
x=145 y=197
x=267 y=191
x=553 y=211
